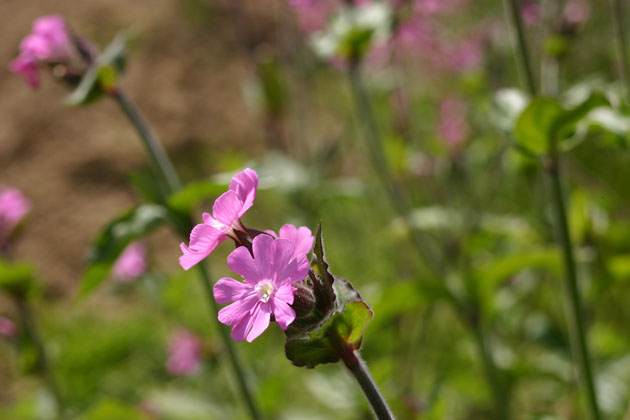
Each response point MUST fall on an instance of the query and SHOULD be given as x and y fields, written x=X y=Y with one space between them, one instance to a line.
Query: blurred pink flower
x=530 y=13
x=312 y=14
x=7 y=327
x=268 y=287
x=225 y=219
x=576 y=12
x=184 y=353
x=132 y=263
x=431 y=7
x=463 y=56
x=453 y=127
x=13 y=207
x=49 y=42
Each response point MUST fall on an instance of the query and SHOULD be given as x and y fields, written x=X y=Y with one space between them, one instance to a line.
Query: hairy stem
x=513 y=14
x=168 y=174
x=43 y=365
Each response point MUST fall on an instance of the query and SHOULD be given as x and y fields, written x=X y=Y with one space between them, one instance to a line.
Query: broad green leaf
x=320 y=345
x=535 y=125
x=194 y=193
x=115 y=237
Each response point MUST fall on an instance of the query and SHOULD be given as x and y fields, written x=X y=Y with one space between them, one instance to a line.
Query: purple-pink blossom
x=312 y=14
x=132 y=262
x=224 y=221
x=530 y=13
x=267 y=288
x=13 y=208
x=184 y=353
x=453 y=127
x=49 y=42
x=8 y=328
x=301 y=237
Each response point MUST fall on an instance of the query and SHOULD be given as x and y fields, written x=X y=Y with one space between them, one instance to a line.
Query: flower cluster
x=270 y=264
x=49 y=43
x=13 y=208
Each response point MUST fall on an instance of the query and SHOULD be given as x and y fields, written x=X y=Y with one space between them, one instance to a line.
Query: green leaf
x=16 y=278
x=193 y=194
x=115 y=237
x=535 y=125
x=320 y=346
x=322 y=278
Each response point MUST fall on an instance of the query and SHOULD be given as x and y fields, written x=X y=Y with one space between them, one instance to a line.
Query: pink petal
x=245 y=184
x=240 y=261
x=227 y=207
x=132 y=263
x=281 y=254
x=26 y=66
x=262 y=254
x=293 y=272
x=283 y=313
x=203 y=240
x=260 y=321
x=229 y=290
x=239 y=332
x=232 y=314
x=284 y=293
x=302 y=238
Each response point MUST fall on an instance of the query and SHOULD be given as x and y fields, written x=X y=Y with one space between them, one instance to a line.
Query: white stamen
x=264 y=288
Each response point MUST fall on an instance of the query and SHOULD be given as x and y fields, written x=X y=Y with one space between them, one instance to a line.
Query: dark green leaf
x=115 y=237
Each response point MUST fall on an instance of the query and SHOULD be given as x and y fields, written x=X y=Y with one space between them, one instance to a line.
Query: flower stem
x=151 y=141
x=577 y=329
x=43 y=365
x=514 y=16
x=622 y=44
x=167 y=171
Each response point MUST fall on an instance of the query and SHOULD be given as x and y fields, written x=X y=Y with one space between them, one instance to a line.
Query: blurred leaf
x=16 y=278
x=194 y=193
x=146 y=185
x=114 y=238
x=110 y=409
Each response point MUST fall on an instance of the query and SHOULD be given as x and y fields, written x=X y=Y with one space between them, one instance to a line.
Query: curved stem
x=161 y=161
x=514 y=16
x=30 y=326
x=577 y=329
x=167 y=172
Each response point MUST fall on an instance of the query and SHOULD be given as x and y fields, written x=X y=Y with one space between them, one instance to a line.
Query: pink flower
x=302 y=239
x=530 y=13
x=49 y=42
x=576 y=12
x=268 y=287
x=185 y=353
x=13 y=207
x=7 y=327
x=312 y=14
x=225 y=219
x=132 y=263
x=453 y=127
x=465 y=55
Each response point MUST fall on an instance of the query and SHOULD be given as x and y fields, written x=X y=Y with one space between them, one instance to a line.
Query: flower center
x=264 y=288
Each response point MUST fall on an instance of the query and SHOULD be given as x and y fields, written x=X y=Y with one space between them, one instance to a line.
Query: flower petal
x=260 y=321
x=240 y=261
x=227 y=207
x=203 y=240
x=284 y=293
x=239 y=332
x=262 y=254
x=283 y=313
x=301 y=237
x=229 y=290
x=245 y=184
x=281 y=254
x=232 y=314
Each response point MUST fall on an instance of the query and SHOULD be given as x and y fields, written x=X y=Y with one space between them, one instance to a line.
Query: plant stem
x=161 y=161
x=167 y=171
x=577 y=329
x=30 y=326
x=622 y=45
x=513 y=13
x=361 y=373
x=227 y=343
x=491 y=372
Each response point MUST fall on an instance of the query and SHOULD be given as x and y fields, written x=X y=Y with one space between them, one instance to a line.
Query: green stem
x=377 y=154
x=30 y=326
x=513 y=13
x=492 y=372
x=161 y=161
x=622 y=44
x=361 y=373
x=227 y=343
x=577 y=329
x=167 y=171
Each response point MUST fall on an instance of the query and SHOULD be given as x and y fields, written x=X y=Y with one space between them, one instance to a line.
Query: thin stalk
x=361 y=373
x=577 y=329
x=30 y=326
x=400 y=203
x=377 y=155
x=513 y=13
x=229 y=347
x=161 y=161
x=166 y=170
x=622 y=44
